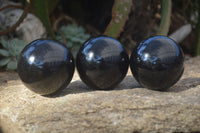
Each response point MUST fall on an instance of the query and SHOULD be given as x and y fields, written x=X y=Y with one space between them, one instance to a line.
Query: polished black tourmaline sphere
x=102 y=63
x=45 y=66
x=157 y=63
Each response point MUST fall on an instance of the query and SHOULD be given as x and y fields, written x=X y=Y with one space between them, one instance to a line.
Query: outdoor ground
x=128 y=108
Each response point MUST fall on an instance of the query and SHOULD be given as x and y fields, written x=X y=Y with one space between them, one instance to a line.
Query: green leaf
x=120 y=11
x=12 y=65
x=4 y=53
x=3 y=62
x=74 y=35
x=4 y=42
x=15 y=46
x=42 y=8
x=166 y=15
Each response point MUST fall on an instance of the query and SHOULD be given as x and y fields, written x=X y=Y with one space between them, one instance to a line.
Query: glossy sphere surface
x=102 y=63
x=45 y=66
x=157 y=63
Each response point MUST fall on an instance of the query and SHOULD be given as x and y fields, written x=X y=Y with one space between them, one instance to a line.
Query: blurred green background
x=73 y=21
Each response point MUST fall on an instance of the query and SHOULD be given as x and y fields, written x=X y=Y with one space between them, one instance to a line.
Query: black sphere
x=45 y=66
x=102 y=63
x=157 y=63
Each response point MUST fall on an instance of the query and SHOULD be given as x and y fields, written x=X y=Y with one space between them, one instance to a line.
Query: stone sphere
x=102 y=63
x=45 y=66
x=157 y=63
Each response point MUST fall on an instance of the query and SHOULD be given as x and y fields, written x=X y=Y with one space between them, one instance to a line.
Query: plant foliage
x=166 y=15
x=10 y=52
x=75 y=35
x=42 y=9
x=120 y=11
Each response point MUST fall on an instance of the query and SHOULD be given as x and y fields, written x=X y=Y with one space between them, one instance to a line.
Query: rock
x=30 y=29
x=128 y=108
